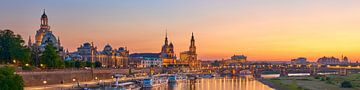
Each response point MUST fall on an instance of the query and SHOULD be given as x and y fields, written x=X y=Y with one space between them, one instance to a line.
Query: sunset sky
x=259 y=29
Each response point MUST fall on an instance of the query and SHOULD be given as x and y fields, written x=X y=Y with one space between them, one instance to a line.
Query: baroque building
x=146 y=60
x=108 y=57
x=190 y=57
x=167 y=53
x=43 y=37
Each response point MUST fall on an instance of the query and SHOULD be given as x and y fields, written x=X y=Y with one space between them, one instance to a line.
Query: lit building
x=190 y=57
x=147 y=59
x=328 y=60
x=109 y=57
x=43 y=37
x=235 y=60
x=345 y=60
x=167 y=53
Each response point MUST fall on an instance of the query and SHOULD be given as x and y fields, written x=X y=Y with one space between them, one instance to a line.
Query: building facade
x=43 y=37
x=328 y=60
x=167 y=53
x=108 y=57
x=147 y=59
x=190 y=57
x=235 y=60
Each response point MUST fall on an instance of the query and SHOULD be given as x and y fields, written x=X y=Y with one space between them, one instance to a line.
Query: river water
x=218 y=83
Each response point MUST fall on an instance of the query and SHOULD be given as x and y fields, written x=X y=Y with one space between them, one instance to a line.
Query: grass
x=286 y=86
x=307 y=83
x=337 y=79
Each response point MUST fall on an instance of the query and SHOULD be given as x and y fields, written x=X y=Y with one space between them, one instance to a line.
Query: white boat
x=126 y=86
x=154 y=82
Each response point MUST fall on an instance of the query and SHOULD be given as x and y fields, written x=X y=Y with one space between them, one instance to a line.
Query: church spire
x=29 y=42
x=166 y=38
x=59 y=41
x=192 y=40
x=192 y=47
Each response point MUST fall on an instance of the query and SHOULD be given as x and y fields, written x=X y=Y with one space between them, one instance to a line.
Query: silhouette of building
x=190 y=57
x=300 y=60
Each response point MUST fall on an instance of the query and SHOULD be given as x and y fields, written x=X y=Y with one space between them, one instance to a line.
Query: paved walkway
x=71 y=85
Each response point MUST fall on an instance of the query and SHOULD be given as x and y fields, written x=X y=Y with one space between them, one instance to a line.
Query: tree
x=77 y=64
x=9 y=80
x=98 y=64
x=50 y=57
x=346 y=84
x=69 y=64
x=12 y=48
x=88 y=64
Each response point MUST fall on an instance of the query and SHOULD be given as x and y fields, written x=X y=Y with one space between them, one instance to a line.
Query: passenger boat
x=126 y=86
x=154 y=81
x=176 y=78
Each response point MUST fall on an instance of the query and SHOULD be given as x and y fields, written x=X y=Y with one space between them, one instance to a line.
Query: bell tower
x=192 y=47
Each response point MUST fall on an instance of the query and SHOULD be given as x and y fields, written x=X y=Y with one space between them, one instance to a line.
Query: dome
x=49 y=38
x=87 y=44
x=44 y=16
x=107 y=48
x=171 y=45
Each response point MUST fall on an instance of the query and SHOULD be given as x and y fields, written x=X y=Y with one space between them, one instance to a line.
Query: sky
x=260 y=29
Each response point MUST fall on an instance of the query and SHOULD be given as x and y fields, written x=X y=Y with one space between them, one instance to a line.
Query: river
x=219 y=83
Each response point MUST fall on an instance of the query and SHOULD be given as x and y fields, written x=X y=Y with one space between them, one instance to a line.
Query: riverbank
x=302 y=83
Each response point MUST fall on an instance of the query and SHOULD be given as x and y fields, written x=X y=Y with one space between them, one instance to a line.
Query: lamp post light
x=44 y=82
x=26 y=64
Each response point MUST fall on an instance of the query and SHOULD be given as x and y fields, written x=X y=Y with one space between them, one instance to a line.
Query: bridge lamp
x=73 y=79
x=44 y=82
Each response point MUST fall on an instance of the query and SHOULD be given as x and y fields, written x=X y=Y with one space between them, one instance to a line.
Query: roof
x=146 y=55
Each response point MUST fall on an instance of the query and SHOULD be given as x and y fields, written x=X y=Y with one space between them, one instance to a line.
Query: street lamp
x=44 y=82
x=26 y=64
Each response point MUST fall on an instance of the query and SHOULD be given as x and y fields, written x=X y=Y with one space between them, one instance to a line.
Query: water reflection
x=224 y=83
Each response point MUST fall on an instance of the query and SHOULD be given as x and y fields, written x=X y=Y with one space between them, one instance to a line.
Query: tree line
x=14 y=51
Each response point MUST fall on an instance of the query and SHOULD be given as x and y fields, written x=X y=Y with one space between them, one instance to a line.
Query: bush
x=9 y=80
x=346 y=84
x=98 y=64
x=317 y=77
x=27 y=68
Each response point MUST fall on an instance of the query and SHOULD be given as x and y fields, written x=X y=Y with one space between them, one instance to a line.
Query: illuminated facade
x=43 y=37
x=109 y=57
x=190 y=57
x=167 y=53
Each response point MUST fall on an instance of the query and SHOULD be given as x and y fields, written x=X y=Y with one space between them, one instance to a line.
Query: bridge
x=283 y=69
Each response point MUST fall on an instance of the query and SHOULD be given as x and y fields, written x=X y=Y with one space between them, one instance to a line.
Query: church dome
x=107 y=48
x=171 y=45
x=49 y=38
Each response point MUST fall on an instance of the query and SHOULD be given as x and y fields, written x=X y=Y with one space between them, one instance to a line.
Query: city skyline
x=276 y=36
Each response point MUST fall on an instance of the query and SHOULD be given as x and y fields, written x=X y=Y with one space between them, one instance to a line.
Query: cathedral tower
x=192 y=47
